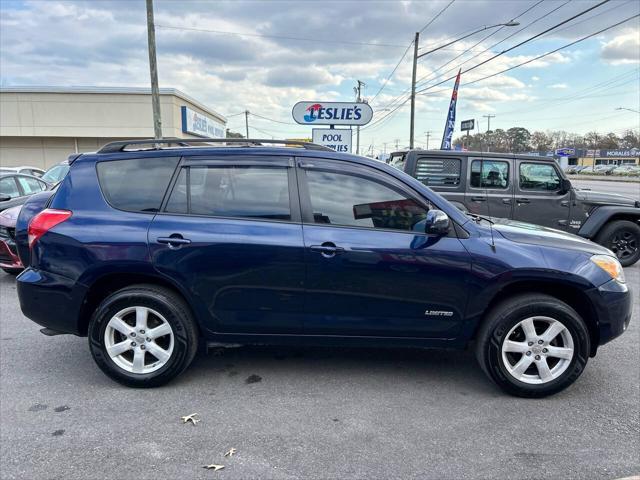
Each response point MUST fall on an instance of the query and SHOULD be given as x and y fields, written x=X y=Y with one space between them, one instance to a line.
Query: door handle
x=174 y=241
x=327 y=249
x=478 y=199
x=506 y=201
x=522 y=200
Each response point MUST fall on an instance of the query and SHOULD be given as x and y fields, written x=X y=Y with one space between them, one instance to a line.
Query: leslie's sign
x=332 y=113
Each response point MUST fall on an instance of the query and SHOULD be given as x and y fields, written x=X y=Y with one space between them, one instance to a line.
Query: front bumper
x=613 y=304
x=51 y=300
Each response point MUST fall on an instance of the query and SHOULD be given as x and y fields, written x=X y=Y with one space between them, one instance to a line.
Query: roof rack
x=121 y=145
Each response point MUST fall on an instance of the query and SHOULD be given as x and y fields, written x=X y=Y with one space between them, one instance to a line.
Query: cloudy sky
x=266 y=55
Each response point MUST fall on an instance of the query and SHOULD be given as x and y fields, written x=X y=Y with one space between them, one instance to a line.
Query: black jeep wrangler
x=527 y=188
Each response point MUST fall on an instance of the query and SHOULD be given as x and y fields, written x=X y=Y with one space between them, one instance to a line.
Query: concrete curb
x=605 y=178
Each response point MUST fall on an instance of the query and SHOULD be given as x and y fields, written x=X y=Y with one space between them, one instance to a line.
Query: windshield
x=55 y=173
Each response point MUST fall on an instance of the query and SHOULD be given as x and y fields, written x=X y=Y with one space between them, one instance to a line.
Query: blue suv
x=151 y=250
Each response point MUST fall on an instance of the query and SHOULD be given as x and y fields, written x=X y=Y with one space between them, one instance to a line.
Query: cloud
x=622 y=49
x=559 y=86
x=535 y=78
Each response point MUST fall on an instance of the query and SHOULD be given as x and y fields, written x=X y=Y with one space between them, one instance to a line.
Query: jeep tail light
x=45 y=221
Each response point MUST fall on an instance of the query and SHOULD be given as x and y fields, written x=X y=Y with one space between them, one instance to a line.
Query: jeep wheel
x=622 y=237
x=143 y=336
x=533 y=345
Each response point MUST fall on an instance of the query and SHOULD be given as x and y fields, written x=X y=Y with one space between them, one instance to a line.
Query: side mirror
x=4 y=197
x=437 y=223
x=565 y=185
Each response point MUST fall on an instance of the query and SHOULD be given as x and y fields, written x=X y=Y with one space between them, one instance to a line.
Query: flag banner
x=451 y=117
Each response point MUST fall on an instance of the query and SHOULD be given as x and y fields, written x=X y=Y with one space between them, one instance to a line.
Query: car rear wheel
x=143 y=336
x=622 y=237
x=533 y=345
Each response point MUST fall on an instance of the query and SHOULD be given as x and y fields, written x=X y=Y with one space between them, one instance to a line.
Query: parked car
x=528 y=189
x=149 y=251
x=56 y=173
x=16 y=187
x=34 y=171
x=9 y=260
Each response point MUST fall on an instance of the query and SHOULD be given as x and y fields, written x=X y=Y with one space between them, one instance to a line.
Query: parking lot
x=321 y=413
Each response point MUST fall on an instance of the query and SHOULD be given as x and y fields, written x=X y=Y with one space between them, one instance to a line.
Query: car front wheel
x=143 y=336
x=533 y=345
x=622 y=237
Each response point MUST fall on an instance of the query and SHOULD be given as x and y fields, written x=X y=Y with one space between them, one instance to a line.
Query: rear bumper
x=51 y=300
x=8 y=255
x=613 y=304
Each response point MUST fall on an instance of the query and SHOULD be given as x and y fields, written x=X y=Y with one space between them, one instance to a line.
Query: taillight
x=45 y=221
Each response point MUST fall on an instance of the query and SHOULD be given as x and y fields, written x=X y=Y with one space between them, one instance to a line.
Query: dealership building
x=41 y=126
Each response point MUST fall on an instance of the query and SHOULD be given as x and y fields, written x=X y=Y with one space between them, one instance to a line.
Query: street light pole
x=413 y=88
x=153 y=68
x=415 y=66
x=246 y=122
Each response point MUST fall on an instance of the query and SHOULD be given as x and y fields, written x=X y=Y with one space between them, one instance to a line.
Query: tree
x=518 y=139
x=541 y=142
x=630 y=139
x=610 y=141
x=231 y=134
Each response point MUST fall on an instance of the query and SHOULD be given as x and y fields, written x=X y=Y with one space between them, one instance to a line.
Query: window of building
x=492 y=174
x=351 y=200
x=247 y=192
x=438 y=171
x=136 y=185
x=536 y=176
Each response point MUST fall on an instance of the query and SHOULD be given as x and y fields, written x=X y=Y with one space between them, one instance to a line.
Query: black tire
x=499 y=322
x=12 y=271
x=168 y=304
x=621 y=230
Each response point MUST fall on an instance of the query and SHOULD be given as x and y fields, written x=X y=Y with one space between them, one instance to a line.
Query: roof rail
x=121 y=145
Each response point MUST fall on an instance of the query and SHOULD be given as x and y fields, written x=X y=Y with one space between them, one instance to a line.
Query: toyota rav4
x=151 y=251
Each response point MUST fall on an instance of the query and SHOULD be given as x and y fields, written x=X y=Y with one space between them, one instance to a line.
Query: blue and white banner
x=451 y=117
x=198 y=124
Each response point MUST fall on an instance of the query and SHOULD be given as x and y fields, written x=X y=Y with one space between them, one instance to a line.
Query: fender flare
x=602 y=215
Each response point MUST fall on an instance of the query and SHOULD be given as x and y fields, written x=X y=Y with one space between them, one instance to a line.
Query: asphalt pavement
x=629 y=189
x=309 y=413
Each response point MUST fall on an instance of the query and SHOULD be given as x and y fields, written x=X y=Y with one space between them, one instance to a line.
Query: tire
x=622 y=237
x=178 y=338
x=12 y=271
x=504 y=322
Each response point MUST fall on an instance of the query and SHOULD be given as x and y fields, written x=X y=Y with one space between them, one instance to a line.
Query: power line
x=392 y=72
x=436 y=16
x=281 y=37
x=429 y=76
x=555 y=50
x=272 y=119
x=522 y=43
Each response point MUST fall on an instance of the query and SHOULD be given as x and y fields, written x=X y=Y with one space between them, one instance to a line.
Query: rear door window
x=8 y=187
x=492 y=174
x=30 y=185
x=136 y=184
x=256 y=192
x=433 y=171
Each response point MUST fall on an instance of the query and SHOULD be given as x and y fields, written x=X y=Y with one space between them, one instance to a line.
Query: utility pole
x=246 y=122
x=428 y=134
x=489 y=117
x=397 y=141
x=413 y=88
x=358 y=91
x=153 y=68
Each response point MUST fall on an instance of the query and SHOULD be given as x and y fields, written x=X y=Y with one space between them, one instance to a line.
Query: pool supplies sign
x=332 y=113
x=195 y=123
x=338 y=140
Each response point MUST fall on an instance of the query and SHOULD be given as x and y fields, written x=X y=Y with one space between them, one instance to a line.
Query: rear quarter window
x=136 y=185
x=444 y=172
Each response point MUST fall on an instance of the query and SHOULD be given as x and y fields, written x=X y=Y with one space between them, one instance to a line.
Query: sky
x=264 y=56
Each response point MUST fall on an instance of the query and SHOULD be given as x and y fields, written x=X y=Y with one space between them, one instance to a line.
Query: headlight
x=611 y=265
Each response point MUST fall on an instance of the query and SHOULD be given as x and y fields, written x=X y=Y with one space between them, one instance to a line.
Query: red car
x=9 y=260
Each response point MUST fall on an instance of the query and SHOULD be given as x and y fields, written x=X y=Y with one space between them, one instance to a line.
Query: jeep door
x=490 y=186
x=539 y=198
x=371 y=269
x=229 y=233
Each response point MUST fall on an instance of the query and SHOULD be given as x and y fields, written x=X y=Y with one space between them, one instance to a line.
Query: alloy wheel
x=537 y=350
x=624 y=244
x=139 y=340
